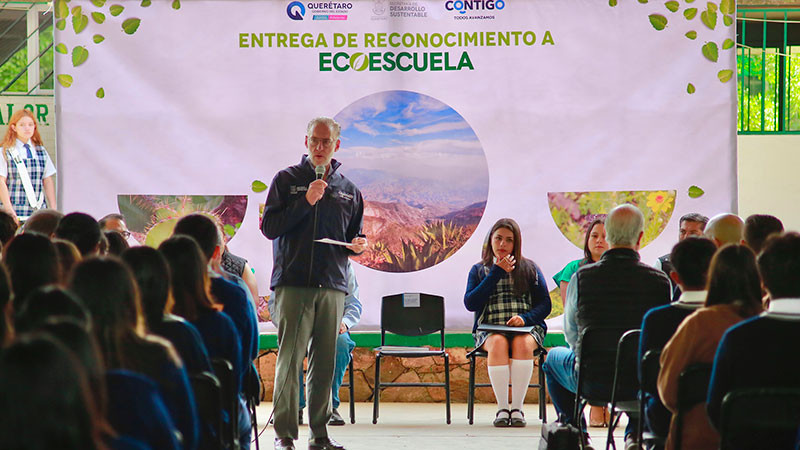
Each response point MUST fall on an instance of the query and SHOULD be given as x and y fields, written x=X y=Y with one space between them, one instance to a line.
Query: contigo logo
x=296 y=11
x=462 y=6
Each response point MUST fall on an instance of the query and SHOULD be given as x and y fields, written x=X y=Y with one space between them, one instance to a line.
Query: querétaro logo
x=296 y=10
x=462 y=6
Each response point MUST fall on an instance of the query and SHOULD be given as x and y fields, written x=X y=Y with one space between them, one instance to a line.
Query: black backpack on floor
x=560 y=435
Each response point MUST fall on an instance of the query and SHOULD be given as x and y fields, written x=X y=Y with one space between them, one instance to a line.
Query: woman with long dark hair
x=32 y=261
x=108 y=290
x=505 y=288
x=734 y=294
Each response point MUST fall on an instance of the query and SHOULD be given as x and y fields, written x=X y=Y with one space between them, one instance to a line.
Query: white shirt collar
x=20 y=144
x=692 y=299
x=784 y=307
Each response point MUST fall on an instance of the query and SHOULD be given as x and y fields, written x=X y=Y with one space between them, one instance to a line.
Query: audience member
x=114 y=222
x=615 y=292
x=49 y=302
x=108 y=290
x=6 y=327
x=82 y=230
x=45 y=399
x=116 y=242
x=758 y=227
x=690 y=260
x=68 y=257
x=151 y=272
x=43 y=221
x=692 y=224
x=32 y=261
x=724 y=229
x=8 y=227
x=238 y=266
x=734 y=293
x=760 y=352
x=189 y=275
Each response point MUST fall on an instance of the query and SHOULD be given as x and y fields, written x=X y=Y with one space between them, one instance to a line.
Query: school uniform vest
x=16 y=191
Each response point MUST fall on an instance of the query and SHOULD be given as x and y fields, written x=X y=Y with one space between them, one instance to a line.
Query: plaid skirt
x=537 y=332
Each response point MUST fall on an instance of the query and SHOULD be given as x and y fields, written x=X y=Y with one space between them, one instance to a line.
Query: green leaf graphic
x=76 y=11
x=711 y=6
x=99 y=3
x=61 y=48
x=79 y=56
x=61 y=24
x=727 y=6
x=689 y=1
x=258 y=186
x=612 y=3
x=98 y=38
x=61 y=9
x=176 y=4
x=658 y=21
x=711 y=52
x=98 y=17
x=643 y=1
x=690 y=88
x=116 y=10
x=229 y=229
x=695 y=192
x=709 y=18
x=727 y=20
x=727 y=44
x=691 y=34
x=690 y=13
x=79 y=23
x=65 y=80
x=100 y=93
x=725 y=75
x=146 y=3
x=672 y=5
x=130 y=26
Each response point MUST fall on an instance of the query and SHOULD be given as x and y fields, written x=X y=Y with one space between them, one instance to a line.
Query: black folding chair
x=208 y=397
x=538 y=354
x=760 y=418
x=624 y=395
x=650 y=366
x=410 y=315
x=223 y=369
x=692 y=389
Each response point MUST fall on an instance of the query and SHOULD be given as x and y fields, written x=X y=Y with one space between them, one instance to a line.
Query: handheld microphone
x=320 y=171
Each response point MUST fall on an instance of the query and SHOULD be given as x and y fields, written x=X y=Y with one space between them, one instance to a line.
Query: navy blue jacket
x=289 y=221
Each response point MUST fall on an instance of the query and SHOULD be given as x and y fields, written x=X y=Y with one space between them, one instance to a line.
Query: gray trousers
x=305 y=315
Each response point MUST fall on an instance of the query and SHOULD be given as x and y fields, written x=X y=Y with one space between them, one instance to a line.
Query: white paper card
x=411 y=300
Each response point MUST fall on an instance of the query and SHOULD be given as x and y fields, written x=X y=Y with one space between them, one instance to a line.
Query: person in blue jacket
x=506 y=289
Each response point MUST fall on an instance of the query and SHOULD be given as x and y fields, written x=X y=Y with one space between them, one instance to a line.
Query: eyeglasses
x=125 y=234
x=314 y=141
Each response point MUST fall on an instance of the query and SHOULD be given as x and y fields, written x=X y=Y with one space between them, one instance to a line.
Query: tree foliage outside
x=759 y=78
x=17 y=63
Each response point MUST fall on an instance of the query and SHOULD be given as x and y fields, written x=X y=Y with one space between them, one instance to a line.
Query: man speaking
x=307 y=202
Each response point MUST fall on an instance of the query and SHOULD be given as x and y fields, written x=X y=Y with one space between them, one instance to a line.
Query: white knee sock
x=521 y=370
x=498 y=376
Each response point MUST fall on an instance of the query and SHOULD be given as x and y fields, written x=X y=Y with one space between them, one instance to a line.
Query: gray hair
x=332 y=125
x=694 y=217
x=623 y=226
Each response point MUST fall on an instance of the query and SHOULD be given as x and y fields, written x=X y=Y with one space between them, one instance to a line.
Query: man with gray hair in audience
x=615 y=292
x=725 y=228
x=691 y=224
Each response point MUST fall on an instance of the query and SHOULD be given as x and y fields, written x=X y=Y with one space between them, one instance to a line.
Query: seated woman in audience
x=68 y=257
x=151 y=272
x=32 y=261
x=45 y=401
x=734 y=294
x=49 y=302
x=6 y=328
x=108 y=290
x=506 y=289
x=193 y=302
x=594 y=245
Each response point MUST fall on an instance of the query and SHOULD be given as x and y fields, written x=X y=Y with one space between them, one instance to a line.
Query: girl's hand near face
x=507 y=263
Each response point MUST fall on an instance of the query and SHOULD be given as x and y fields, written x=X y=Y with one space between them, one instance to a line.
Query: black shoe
x=300 y=418
x=517 y=422
x=284 y=444
x=336 y=419
x=502 y=422
x=325 y=443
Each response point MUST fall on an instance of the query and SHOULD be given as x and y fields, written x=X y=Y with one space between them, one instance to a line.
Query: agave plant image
x=151 y=218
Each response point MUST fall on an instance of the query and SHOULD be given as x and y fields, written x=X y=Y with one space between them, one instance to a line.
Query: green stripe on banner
x=269 y=341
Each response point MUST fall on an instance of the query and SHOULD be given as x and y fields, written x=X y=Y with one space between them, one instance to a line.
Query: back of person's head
x=779 y=265
x=6 y=329
x=82 y=230
x=106 y=287
x=725 y=228
x=43 y=221
x=8 y=227
x=624 y=226
x=152 y=275
x=32 y=261
x=202 y=229
x=691 y=259
x=45 y=399
x=758 y=227
x=733 y=280
x=68 y=256
x=49 y=302
x=116 y=243
x=190 y=285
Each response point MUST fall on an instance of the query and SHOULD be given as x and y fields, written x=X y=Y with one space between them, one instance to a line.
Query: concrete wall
x=769 y=177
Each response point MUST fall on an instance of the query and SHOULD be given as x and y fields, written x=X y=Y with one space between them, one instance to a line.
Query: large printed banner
x=455 y=113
